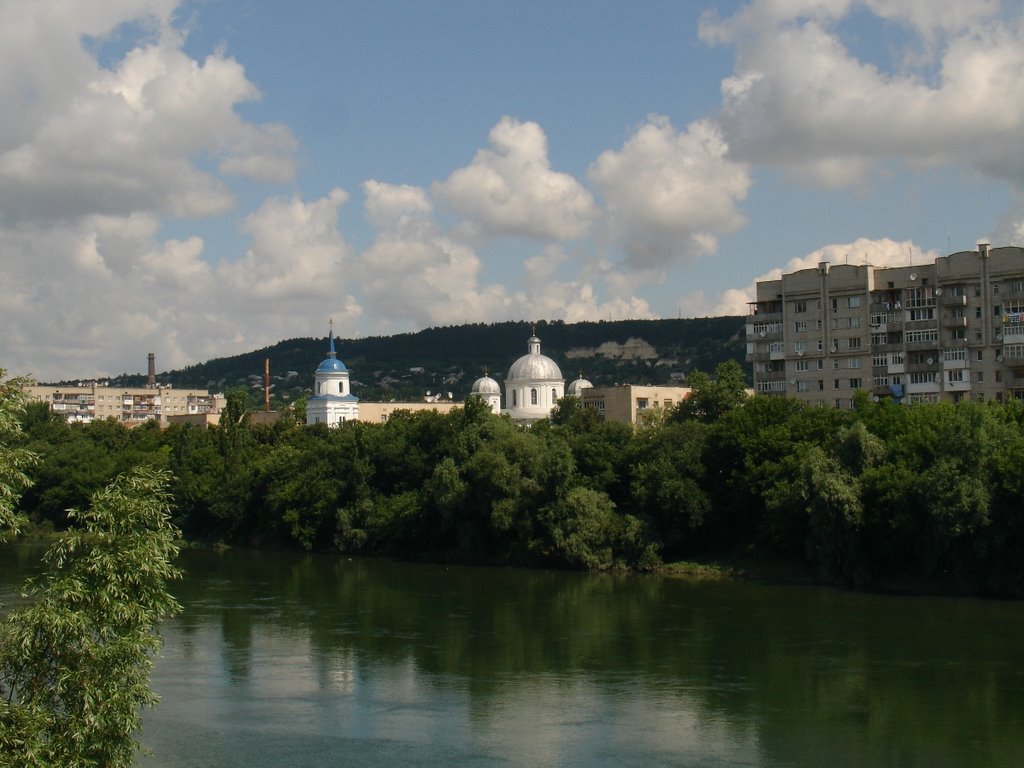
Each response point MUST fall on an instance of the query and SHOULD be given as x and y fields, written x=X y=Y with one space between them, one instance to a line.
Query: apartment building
x=917 y=334
x=87 y=402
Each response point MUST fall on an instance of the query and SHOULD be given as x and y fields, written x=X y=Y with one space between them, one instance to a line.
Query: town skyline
x=198 y=178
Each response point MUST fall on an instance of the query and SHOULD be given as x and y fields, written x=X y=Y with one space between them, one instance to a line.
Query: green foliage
x=15 y=459
x=882 y=494
x=710 y=399
x=75 y=663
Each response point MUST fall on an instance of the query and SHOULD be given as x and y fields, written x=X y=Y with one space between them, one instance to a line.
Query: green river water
x=301 y=660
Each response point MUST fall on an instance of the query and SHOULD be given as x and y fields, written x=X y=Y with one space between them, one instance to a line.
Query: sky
x=202 y=178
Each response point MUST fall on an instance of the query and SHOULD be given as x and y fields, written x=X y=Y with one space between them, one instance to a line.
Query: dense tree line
x=878 y=496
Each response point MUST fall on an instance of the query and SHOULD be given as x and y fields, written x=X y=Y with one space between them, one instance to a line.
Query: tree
x=75 y=664
x=711 y=398
x=14 y=458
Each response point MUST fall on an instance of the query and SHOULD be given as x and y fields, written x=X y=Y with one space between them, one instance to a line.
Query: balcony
x=954 y=322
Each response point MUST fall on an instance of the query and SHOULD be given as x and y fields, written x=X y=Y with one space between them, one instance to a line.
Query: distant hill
x=449 y=359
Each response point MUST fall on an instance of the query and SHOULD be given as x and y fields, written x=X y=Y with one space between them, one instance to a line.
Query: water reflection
x=306 y=660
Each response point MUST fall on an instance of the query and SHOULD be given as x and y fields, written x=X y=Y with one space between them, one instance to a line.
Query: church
x=332 y=401
x=533 y=386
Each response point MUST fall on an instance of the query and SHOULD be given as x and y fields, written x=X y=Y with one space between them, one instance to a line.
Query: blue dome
x=332 y=365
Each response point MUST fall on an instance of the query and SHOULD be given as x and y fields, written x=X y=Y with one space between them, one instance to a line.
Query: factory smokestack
x=151 y=379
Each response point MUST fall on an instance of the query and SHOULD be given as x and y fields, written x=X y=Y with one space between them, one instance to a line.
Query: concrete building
x=922 y=333
x=86 y=402
x=631 y=403
x=381 y=412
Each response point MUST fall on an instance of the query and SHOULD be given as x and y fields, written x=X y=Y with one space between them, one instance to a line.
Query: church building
x=533 y=386
x=332 y=401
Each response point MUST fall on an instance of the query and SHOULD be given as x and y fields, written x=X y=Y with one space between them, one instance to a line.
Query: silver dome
x=576 y=387
x=485 y=385
x=534 y=366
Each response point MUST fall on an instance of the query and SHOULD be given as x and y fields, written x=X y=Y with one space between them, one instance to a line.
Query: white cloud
x=878 y=253
x=670 y=194
x=574 y=300
x=414 y=275
x=510 y=189
x=800 y=99
x=79 y=138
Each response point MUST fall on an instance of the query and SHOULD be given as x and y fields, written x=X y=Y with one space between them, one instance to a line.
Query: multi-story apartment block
x=84 y=403
x=918 y=334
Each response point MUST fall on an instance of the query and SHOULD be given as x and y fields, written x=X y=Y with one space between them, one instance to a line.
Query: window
x=896 y=379
x=925 y=335
x=821 y=385
x=853 y=302
x=800 y=346
x=854 y=322
x=835 y=305
x=801 y=366
x=641 y=403
x=835 y=384
x=954 y=355
x=879 y=361
x=853 y=343
x=835 y=365
x=554 y=394
x=999 y=376
x=776 y=346
x=960 y=333
x=801 y=386
x=514 y=398
x=800 y=306
x=924 y=377
x=996 y=310
x=533 y=397
x=879 y=338
x=923 y=313
x=981 y=355
x=856 y=383
x=981 y=376
x=821 y=345
x=955 y=375
x=854 y=362
x=821 y=365
x=800 y=326
x=1018 y=286
x=977 y=312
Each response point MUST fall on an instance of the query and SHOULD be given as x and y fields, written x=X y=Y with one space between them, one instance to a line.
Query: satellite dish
x=763 y=334
x=875 y=399
x=913 y=275
x=938 y=291
x=800 y=352
x=999 y=358
x=930 y=360
x=792 y=381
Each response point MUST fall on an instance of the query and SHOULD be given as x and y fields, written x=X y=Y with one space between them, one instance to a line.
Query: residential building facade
x=920 y=333
x=84 y=403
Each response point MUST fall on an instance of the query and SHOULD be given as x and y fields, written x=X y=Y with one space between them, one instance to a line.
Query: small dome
x=534 y=366
x=485 y=385
x=577 y=386
x=331 y=365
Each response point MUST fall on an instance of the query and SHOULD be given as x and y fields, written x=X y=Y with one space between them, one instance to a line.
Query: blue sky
x=205 y=177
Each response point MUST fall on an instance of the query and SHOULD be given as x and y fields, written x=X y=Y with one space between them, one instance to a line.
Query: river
x=302 y=660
